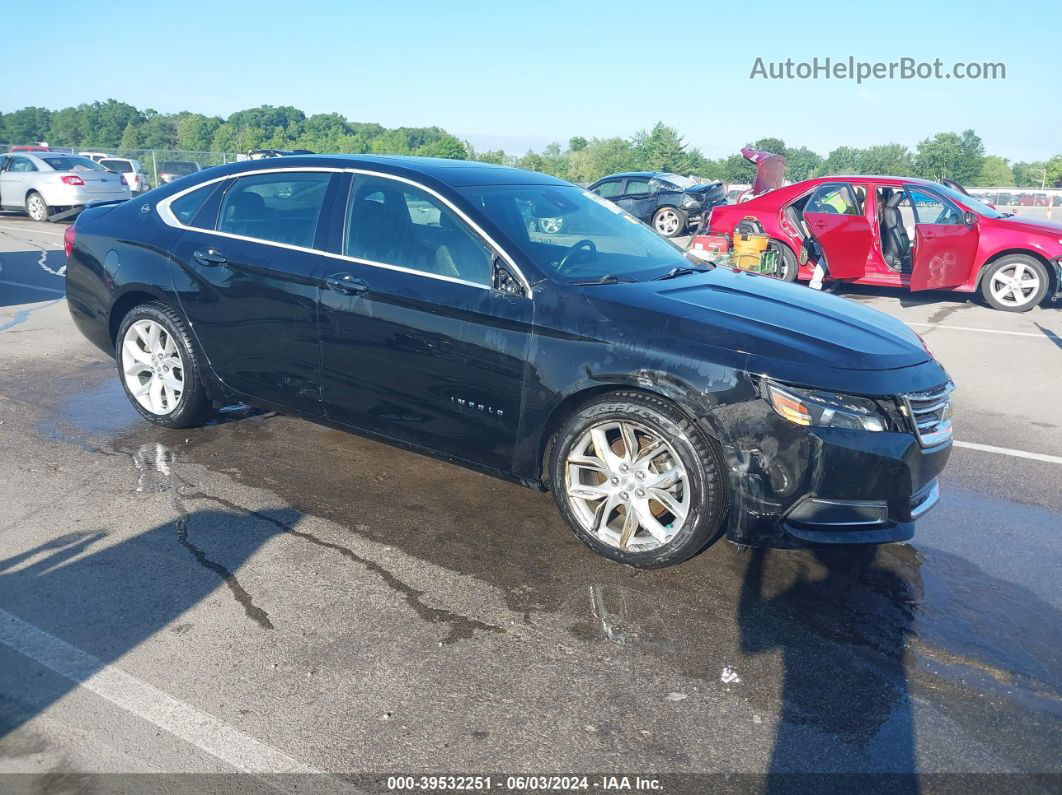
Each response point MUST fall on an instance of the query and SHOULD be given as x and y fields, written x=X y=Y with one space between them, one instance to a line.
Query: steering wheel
x=575 y=251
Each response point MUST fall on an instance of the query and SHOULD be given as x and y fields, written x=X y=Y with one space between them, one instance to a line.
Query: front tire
x=36 y=208
x=1015 y=283
x=636 y=481
x=670 y=222
x=158 y=367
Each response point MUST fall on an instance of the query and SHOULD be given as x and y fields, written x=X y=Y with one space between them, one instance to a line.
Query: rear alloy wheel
x=669 y=221
x=36 y=207
x=158 y=367
x=1015 y=283
x=636 y=481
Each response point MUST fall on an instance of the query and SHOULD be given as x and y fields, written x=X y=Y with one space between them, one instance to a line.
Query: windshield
x=64 y=163
x=677 y=181
x=976 y=205
x=575 y=236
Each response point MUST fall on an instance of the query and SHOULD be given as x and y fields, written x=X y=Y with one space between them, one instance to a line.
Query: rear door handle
x=209 y=256
x=346 y=284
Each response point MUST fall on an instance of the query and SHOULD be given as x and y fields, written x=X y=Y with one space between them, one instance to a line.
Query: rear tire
x=158 y=367
x=36 y=208
x=1015 y=283
x=788 y=261
x=670 y=222
x=637 y=481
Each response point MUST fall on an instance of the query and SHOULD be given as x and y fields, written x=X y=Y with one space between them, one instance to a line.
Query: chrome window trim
x=168 y=218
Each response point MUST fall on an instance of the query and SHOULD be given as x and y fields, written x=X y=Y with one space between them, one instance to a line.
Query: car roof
x=874 y=178
x=455 y=173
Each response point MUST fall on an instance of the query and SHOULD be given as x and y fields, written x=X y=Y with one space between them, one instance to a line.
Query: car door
x=610 y=189
x=250 y=284
x=944 y=243
x=17 y=178
x=638 y=198
x=836 y=221
x=416 y=345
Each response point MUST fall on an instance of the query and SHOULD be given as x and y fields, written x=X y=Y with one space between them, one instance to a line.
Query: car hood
x=775 y=321
x=1034 y=225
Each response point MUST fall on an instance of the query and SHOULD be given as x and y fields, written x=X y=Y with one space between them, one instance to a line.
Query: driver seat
x=895 y=245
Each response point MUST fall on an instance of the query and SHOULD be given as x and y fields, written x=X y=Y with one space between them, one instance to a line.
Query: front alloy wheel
x=627 y=486
x=637 y=481
x=1015 y=284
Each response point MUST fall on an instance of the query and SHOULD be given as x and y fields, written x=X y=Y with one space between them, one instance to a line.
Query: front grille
x=930 y=414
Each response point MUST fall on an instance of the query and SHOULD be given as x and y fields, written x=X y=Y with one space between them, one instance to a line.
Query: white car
x=97 y=156
x=130 y=169
x=42 y=184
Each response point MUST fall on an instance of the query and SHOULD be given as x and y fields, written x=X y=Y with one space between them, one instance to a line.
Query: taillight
x=122 y=180
x=71 y=180
x=69 y=237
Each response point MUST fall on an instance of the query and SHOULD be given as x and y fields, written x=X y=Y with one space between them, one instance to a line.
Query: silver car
x=42 y=184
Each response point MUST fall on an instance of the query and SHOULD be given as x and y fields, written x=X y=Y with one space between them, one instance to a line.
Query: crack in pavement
x=23 y=314
x=162 y=458
x=42 y=260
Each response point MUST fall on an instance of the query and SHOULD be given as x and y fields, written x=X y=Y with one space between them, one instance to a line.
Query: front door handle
x=819 y=224
x=209 y=257
x=346 y=284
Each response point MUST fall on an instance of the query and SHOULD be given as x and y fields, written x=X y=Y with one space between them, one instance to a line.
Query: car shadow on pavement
x=27 y=277
x=1050 y=335
x=105 y=599
x=842 y=638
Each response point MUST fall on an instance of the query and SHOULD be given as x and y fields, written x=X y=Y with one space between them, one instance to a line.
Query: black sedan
x=670 y=203
x=663 y=402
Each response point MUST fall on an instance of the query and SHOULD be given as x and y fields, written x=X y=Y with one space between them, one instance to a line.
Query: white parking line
x=34 y=287
x=32 y=230
x=985 y=330
x=987 y=448
x=194 y=726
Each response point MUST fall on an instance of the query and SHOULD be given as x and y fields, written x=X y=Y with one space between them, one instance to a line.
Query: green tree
x=995 y=173
x=776 y=146
x=950 y=156
x=663 y=149
x=736 y=169
x=131 y=137
x=603 y=156
x=64 y=129
x=885 y=160
x=445 y=146
x=802 y=163
x=1053 y=167
x=1030 y=175
x=195 y=131
x=495 y=156
x=843 y=160
x=577 y=143
x=27 y=125
x=532 y=161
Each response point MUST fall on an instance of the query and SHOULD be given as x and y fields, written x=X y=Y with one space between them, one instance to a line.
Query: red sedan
x=904 y=232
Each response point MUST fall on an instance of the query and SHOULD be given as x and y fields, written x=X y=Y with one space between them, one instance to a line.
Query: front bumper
x=795 y=486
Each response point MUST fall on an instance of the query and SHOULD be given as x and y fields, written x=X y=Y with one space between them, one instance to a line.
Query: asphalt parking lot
x=267 y=595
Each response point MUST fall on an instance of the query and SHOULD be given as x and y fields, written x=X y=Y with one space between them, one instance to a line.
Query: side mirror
x=503 y=280
x=970 y=218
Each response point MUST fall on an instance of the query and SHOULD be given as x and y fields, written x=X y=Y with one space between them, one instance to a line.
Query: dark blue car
x=670 y=203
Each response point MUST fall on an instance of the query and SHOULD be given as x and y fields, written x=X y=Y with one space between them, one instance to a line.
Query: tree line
x=112 y=125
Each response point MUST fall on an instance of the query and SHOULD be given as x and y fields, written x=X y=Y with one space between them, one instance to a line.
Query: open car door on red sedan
x=834 y=215
x=944 y=245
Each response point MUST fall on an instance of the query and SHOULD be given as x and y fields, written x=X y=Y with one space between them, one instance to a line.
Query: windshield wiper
x=609 y=278
x=679 y=270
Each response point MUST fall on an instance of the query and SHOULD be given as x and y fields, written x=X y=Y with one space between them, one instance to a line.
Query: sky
x=520 y=75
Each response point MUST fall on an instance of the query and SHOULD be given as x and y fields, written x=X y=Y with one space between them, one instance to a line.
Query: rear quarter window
x=188 y=206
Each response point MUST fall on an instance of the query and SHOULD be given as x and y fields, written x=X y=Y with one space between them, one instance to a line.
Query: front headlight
x=825 y=409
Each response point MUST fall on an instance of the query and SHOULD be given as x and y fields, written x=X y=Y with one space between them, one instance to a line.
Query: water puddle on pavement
x=843 y=639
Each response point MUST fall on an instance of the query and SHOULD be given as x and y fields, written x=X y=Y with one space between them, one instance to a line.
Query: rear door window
x=280 y=207
x=610 y=189
x=834 y=199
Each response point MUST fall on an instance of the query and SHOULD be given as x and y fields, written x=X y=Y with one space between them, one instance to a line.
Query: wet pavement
x=364 y=609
